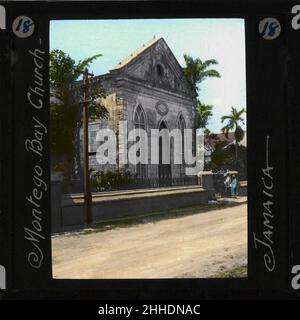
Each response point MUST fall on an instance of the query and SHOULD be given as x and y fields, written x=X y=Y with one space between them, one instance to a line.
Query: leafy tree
x=197 y=70
x=66 y=110
x=207 y=132
x=223 y=158
x=64 y=70
x=204 y=113
x=234 y=121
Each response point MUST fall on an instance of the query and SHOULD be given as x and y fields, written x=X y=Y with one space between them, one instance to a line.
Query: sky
x=220 y=39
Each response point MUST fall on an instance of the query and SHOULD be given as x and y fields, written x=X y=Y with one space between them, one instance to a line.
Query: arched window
x=181 y=127
x=160 y=70
x=139 y=118
x=140 y=123
x=181 y=123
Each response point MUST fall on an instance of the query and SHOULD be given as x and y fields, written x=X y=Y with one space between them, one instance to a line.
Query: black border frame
x=270 y=91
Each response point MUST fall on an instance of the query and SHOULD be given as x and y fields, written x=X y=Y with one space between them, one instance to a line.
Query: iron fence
x=141 y=183
x=138 y=183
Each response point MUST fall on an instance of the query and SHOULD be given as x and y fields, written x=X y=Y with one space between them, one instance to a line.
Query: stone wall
x=67 y=212
x=107 y=205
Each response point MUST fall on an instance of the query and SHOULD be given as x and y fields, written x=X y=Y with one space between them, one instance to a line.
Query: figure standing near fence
x=227 y=183
x=233 y=186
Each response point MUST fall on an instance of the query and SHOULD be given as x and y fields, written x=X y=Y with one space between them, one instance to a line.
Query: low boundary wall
x=112 y=204
x=67 y=211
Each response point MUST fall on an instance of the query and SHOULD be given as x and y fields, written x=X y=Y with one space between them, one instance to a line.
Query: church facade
x=148 y=90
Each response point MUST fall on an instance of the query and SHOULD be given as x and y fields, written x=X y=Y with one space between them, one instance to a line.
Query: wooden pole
x=86 y=174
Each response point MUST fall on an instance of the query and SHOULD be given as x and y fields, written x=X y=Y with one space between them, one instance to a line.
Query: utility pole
x=86 y=173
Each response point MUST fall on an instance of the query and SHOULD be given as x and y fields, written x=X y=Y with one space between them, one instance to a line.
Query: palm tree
x=197 y=70
x=204 y=113
x=234 y=121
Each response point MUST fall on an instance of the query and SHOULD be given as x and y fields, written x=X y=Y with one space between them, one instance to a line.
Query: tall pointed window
x=181 y=123
x=139 y=118
x=140 y=123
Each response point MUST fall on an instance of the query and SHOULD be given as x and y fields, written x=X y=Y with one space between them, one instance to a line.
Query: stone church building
x=148 y=90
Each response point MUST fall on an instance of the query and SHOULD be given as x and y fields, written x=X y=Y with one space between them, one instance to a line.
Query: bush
x=223 y=159
x=111 y=180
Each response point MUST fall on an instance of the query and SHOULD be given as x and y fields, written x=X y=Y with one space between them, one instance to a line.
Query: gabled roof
x=136 y=54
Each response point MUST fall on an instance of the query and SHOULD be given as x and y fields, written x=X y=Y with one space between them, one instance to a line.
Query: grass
x=239 y=272
x=129 y=220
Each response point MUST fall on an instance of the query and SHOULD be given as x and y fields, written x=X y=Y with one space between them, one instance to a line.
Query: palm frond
x=210 y=62
x=225 y=118
x=196 y=71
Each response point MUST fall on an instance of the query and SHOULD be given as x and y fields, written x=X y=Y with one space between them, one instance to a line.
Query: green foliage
x=223 y=159
x=233 y=123
x=204 y=113
x=63 y=125
x=207 y=132
x=65 y=111
x=197 y=70
x=239 y=272
x=96 y=110
x=64 y=70
x=111 y=180
x=66 y=108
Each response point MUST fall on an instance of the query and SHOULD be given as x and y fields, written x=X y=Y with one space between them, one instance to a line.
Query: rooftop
x=136 y=53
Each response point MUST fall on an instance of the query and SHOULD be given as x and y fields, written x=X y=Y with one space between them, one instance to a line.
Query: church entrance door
x=164 y=170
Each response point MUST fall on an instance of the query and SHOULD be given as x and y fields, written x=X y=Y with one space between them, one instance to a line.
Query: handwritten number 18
x=26 y=25
x=272 y=29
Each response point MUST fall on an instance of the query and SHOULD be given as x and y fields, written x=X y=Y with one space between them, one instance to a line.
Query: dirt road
x=198 y=245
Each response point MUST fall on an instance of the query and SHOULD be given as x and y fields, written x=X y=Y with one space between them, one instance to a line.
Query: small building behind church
x=147 y=90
